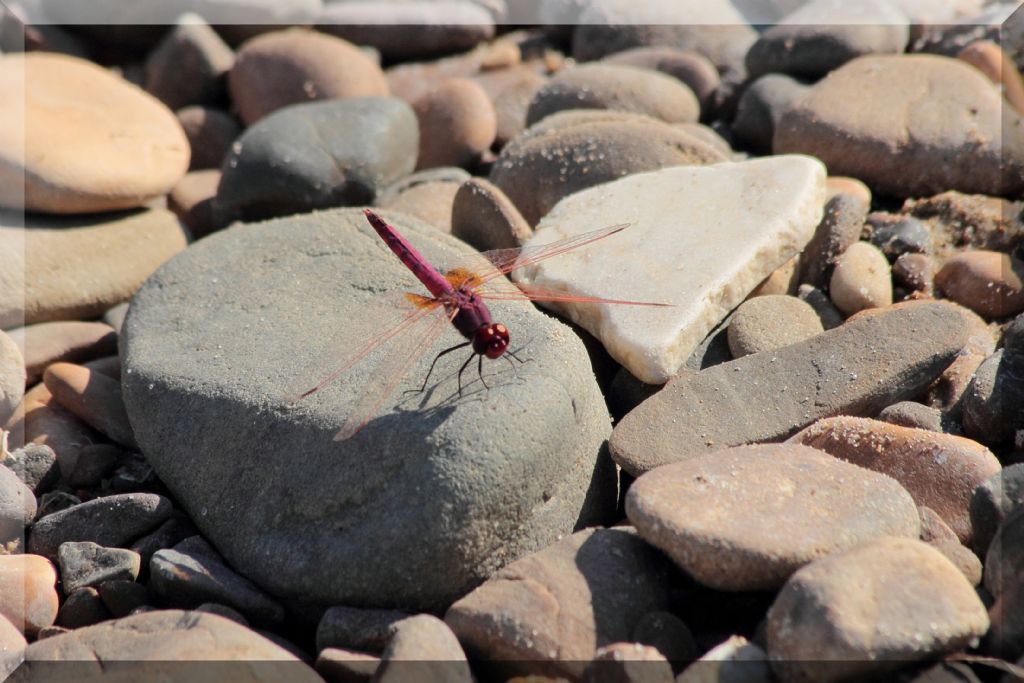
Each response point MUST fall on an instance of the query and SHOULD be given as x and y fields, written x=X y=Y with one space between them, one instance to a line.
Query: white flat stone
x=700 y=237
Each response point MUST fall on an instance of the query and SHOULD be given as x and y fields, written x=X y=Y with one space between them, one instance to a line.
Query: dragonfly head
x=491 y=340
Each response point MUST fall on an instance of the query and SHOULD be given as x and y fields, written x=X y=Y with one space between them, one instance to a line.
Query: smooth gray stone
x=855 y=369
x=317 y=155
x=432 y=496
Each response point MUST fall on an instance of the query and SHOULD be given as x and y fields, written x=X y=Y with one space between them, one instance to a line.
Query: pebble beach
x=805 y=464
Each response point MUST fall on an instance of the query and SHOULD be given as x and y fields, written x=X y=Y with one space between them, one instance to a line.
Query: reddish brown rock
x=690 y=67
x=210 y=133
x=937 y=534
x=423 y=648
x=39 y=419
x=987 y=282
x=71 y=341
x=940 y=471
x=430 y=201
x=457 y=124
x=28 y=594
x=189 y=65
x=991 y=60
x=837 y=184
x=93 y=142
x=287 y=67
x=93 y=397
x=346 y=666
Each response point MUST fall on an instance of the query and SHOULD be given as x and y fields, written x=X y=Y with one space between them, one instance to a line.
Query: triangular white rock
x=700 y=237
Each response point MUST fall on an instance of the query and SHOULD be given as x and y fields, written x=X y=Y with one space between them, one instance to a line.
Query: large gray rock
x=431 y=497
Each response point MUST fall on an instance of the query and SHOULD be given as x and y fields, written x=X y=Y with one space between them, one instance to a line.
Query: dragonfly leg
x=431 y=370
x=512 y=353
x=462 y=369
x=480 y=371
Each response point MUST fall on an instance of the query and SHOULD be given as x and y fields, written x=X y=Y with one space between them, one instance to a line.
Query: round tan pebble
x=861 y=279
x=28 y=594
x=991 y=60
x=79 y=139
x=93 y=397
x=280 y=68
x=457 y=124
x=482 y=216
x=770 y=322
x=12 y=376
x=840 y=184
x=210 y=133
x=987 y=282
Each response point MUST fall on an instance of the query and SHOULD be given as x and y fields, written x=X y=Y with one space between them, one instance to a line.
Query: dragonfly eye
x=491 y=340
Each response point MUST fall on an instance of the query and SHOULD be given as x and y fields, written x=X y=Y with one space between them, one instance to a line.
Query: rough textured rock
x=552 y=610
x=35 y=465
x=746 y=518
x=740 y=244
x=93 y=142
x=855 y=369
x=317 y=155
x=869 y=136
x=940 y=471
x=868 y=611
x=87 y=564
x=64 y=256
x=426 y=474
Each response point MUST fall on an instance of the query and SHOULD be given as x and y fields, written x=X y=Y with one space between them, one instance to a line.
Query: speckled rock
x=808 y=505
x=822 y=35
x=94 y=143
x=442 y=508
x=457 y=124
x=991 y=402
x=766 y=323
x=88 y=564
x=918 y=416
x=861 y=279
x=280 y=68
x=855 y=369
x=538 y=169
x=280 y=167
x=621 y=88
x=549 y=612
x=35 y=465
x=866 y=137
x=921 y=606
x=941 y=471
x=64 y=255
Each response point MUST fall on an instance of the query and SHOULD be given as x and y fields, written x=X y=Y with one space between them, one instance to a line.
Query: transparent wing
x=503 y=290
x=392 y=369
x=400 y=312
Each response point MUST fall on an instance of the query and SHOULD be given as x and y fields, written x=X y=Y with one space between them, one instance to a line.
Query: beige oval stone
x=431 y=201
x=861 y=279
x=280 y=68
x=860 y=614
x=940 y=471
x=746 y=518
x=990 y=283
x=457 y=124
x=79 y=139
x=12 y=377
x=79 y=266
x=28 y=593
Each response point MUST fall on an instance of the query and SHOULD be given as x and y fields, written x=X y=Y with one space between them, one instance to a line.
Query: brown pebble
x=914 y=271
x=837 y=184
x=72 y=341
x=992 y=60
x=987 y=282
x=861 y=279
x=483 y=217
x=937 y=534
x=28 y=594
x=457 y=124
x=192 y=200
x=210 y=133
x=431 y=201
x=93 y=397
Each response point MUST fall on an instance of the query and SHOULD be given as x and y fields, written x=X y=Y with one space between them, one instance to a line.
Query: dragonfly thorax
x=491 y=340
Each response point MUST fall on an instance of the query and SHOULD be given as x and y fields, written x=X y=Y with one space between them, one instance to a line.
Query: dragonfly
x=457 y=297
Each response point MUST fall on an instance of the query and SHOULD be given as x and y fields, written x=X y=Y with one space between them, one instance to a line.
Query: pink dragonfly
x=459 y=294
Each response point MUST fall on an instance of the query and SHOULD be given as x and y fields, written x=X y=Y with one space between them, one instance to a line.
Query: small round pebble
x=987 y=282
x=868 y=611
x=914 y=272
x=280 y=68
x=210 y=133
x=937 y=534
x=192 y=200
x=765 y=323
x=861 y=279
x=457 y=124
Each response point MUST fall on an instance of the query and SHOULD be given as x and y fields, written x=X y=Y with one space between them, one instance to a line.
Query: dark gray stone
x=920 y=416
x=17 y=508
x=760 y=107
x=122 y=597
x=167 y=535
x=839 y=228
x=435 y=492
x=904 y=235
x=192 y=573
x=36 y=466
x=993 y=400
x=111 y=521
x=825 y=34
x=1000 y=495
x=84 y=607
x=1004 y=579
x=855 y=369
x=317 y=155
x=83 y=563
x=86 y=467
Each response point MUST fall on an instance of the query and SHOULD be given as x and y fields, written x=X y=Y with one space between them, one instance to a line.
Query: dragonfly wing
x=392 y=370
x=400 y=312
x=504 y=261
x=506 y=291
